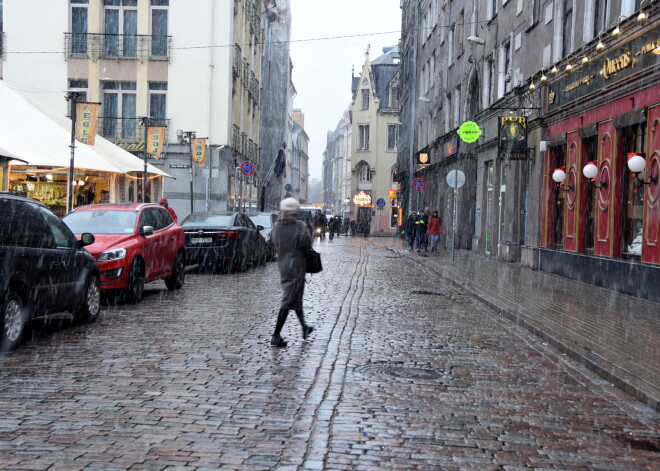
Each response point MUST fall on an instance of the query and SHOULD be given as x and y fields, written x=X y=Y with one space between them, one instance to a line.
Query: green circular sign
x=469 y=131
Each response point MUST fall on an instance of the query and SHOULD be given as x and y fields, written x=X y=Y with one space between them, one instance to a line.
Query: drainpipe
x=413 y=101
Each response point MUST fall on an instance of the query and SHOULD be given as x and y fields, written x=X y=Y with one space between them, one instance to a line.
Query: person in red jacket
x=435 y=227
x=163 y=202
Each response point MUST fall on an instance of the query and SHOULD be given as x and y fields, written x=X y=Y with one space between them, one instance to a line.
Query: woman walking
x=292 y=242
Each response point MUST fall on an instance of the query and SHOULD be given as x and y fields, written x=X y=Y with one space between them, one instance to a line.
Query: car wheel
x=178 y=275
x=135 y=288
x=13 y=322
x=90 y=306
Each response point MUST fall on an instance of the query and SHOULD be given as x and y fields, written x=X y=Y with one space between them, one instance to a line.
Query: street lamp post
x=145 y=121
x=186 y=137
x=71 y=97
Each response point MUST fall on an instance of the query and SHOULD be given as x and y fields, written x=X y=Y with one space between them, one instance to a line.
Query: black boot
x=306 y=329
x=277 y=340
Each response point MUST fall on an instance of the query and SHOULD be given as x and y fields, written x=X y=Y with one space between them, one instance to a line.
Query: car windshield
x=101 y=221
x=262 y=220
x=208 y=220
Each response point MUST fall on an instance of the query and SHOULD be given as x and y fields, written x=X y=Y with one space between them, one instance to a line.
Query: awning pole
x=71 y=97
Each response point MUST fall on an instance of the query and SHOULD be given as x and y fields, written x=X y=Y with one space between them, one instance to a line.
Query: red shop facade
x=600 y=202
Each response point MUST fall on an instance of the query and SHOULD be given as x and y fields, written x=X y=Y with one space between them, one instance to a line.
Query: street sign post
x=455 y=180
x=380 y=203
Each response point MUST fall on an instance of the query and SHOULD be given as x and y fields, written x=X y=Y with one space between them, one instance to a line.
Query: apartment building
x=194 y=67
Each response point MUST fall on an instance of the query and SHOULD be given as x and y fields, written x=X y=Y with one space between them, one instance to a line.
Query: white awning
x=39 y=136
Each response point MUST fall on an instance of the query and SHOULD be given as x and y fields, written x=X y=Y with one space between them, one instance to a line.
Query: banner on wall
x=86 y=121
x=512 y=137
x=155 y=139
x=198 y=145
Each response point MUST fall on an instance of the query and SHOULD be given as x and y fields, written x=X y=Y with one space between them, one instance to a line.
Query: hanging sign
x=198 y=145
x=362 y=199
x=423 y=159
x=512 y=137
x=86 y=120
x=469 y=131
x=155 y=138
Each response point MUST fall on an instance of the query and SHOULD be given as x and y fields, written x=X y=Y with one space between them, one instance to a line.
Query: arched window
x=364 y=173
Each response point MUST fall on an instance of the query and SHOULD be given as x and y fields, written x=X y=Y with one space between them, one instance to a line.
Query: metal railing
x=117 y=46
x=127 y=130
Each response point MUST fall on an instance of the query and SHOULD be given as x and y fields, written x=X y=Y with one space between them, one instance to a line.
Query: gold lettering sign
x=582 y=81
x=612 y=66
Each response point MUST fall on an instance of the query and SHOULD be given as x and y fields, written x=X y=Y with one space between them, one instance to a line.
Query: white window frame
x=363 y=137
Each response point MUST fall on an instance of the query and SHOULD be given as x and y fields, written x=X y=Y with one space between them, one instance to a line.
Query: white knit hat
x=289 y=206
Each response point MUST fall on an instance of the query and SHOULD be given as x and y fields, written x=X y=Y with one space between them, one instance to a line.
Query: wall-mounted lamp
x=532 y=85
x=424 y=99
x=559 y=176
x=585 y=61
x=476 y=40
x=543 y=146
x=543 y=78
x=554 y=70
x=590 y=171
x=600 y=46
x=617 y=29
x=642 y=17
x=637 y=164
x=508 y=76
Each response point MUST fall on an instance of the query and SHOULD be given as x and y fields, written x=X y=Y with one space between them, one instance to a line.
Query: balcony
x=127 y=130
x=116 y=46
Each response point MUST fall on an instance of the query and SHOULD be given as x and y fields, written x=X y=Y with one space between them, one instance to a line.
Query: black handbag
x=314 y=264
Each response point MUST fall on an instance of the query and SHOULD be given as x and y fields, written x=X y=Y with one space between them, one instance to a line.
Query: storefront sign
x=198 y=145
x=618 y=64
x=469 y=131
x=362 y=199
x=450 y=148
x=512 y=137
x=392 y=193
x=155 y=138
x=134 y=147
x=423 y=158
x=86 y=121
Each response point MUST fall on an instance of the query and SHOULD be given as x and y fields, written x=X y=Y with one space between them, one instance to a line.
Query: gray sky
x=322 y=68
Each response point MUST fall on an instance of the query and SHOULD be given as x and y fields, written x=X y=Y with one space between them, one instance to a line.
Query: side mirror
x=146 y=231
x=86 y=239
x=260 y=228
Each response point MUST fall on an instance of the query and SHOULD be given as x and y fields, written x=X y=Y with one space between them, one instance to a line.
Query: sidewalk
x=615 y=335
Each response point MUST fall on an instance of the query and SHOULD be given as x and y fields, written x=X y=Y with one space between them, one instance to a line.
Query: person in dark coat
x=293 y=243
x=410 y=230
x=163 y=202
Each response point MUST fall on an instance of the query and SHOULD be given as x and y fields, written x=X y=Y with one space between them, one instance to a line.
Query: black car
x=266 y=220
x=44 y=269
x=227 y=240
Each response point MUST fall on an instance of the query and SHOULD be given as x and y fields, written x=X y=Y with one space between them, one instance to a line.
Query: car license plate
x=201 y=240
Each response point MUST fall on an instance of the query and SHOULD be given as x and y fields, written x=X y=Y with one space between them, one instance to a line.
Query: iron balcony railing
x=127 y=130
x=117 y=46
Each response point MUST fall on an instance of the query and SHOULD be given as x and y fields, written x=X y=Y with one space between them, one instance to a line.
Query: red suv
x=135 y=244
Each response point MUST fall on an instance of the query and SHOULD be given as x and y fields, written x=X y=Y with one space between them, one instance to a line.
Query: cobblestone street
x=404 y=371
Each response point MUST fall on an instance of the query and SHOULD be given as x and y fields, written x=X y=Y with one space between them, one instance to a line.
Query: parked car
x=135 y=244
x=44 y=269
x=227 y=240
x=266 y=220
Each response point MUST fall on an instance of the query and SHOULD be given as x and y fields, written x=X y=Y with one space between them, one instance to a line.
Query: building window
x=79 y=26
x=365 y=99
x=394 y=97
x=506 y=62
x=363 y=137
x=633 y=196
x=79 y=86
x=120 y=18
x=568 y=28
x=364 y=173
x=392 y=136
x=159 y=28
x=157 y=103
x=457 y=107
x=536 y=11
x=119 y=119
x=600 y=16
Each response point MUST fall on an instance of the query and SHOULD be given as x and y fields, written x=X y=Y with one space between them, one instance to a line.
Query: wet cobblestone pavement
x=405 y=371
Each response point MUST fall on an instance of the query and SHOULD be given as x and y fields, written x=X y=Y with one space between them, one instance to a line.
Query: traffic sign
x=380 y=202
x=455 y=179
x=418 y=184
x=247 y=168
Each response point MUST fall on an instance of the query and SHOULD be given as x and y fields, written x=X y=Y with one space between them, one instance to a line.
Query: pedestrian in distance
x=163 y=202
x=353 y=227
x=331 y=227
x=435 y=228
x=410 y=230
x=292 y=243
x=422 y=226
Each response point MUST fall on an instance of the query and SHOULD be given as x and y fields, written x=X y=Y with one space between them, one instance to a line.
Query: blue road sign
x=380 y=202
x=247 y=168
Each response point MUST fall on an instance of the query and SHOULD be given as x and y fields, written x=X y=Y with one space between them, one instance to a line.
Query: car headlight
x=114 y=254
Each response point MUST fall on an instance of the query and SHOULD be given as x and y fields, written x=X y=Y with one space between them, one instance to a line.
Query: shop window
x=633 y=138
x=590 y=151
x=559 y=198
